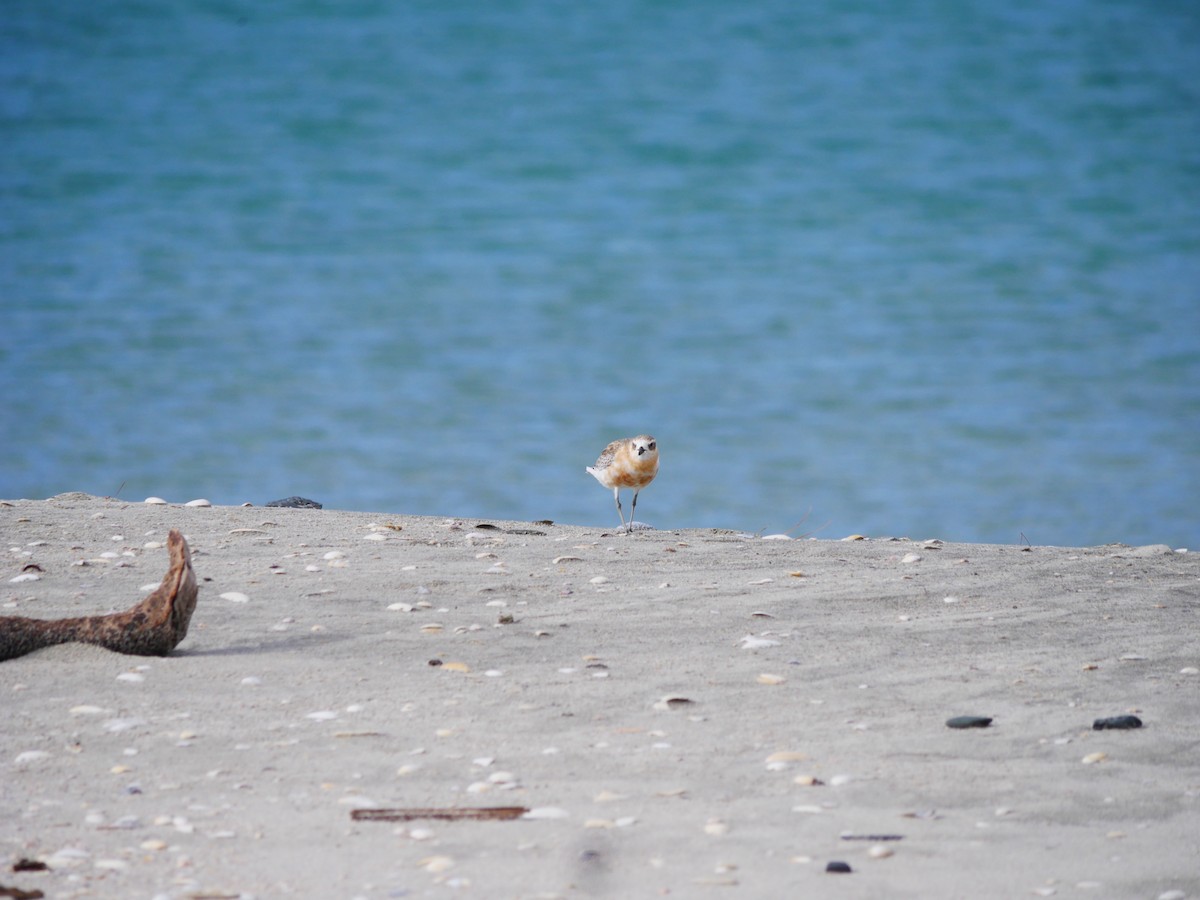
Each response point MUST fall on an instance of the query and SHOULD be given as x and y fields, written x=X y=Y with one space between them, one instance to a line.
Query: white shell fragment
x=235 y=597
x=716 y=827
x=753 y=642
x=546 y=812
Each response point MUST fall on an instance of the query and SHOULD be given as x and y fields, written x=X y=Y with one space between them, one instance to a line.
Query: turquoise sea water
x=925 y=269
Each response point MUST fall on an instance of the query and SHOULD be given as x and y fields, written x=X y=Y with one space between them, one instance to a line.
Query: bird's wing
x=604 y=460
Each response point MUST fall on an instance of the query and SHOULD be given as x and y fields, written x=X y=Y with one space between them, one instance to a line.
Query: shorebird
x=627 y=463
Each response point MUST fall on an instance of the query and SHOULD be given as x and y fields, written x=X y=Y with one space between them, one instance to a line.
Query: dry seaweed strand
x=154 y=627
x=452 y=813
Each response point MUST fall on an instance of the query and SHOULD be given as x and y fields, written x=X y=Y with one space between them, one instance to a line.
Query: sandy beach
x=693 y=713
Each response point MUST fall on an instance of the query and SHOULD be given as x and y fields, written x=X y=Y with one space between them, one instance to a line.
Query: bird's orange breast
x=629 y=471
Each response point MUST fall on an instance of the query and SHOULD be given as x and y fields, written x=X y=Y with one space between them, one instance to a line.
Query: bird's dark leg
x=632 y=510
x=617 y=497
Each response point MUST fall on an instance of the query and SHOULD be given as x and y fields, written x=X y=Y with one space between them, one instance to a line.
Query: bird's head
x=644 y=447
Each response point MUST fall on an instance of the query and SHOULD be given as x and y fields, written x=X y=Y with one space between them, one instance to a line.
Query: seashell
x=761 y=581
x=546 y=812
x=776 y=537
x=910 y=558
x=599 y=579
x=1092 y=758
x=672 y=702
x=808 y=780
x=86 y=710
x=431 y=628
x=1189 y=670
x=563 y=559
x=854 y=537
x=786 y=756
x=838 y=867
x=436 y=863
x=155 y=501
x=1117 y=722
x=880 y=851
x=198 y=503
x=235 y=597
x=968 y=722
x=752 y=642
x=767 y=678
x=28 y=576
x=295 y=503
x=716 y=827
x=115 y=726
x=456 y=667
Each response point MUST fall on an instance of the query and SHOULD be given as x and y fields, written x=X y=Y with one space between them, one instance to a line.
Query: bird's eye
x=653 y=444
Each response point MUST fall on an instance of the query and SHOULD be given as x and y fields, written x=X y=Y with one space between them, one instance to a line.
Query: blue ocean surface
x=927 y=269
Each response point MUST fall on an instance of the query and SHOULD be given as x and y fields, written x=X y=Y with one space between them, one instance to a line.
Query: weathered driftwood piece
x=450 y=813
x=151 y=628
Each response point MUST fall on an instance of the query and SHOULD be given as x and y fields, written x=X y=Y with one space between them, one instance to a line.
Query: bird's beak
x=641 y=450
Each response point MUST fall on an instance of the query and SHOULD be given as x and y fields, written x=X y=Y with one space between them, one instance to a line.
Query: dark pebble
x=296 y=503
x=968 y=722
x=1121 y=722
x=842 y=868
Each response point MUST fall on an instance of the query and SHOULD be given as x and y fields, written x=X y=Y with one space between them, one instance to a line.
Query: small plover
x=627 y=463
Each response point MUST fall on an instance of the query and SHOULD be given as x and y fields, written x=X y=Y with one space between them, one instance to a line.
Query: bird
x=627 y=463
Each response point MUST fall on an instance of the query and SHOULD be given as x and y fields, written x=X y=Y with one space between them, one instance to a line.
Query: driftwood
x=447 y=813
x=153 y=627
